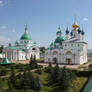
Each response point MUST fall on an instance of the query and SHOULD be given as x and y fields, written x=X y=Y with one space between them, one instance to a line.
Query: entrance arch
x=55 y=60
x=69 y=57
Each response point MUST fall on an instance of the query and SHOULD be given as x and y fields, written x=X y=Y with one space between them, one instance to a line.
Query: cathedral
x=23 y=49
x=69 y=50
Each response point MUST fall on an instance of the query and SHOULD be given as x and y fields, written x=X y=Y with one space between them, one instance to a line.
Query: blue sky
x=43 y=18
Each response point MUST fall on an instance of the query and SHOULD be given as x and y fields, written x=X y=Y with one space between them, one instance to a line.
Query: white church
x=23 y=49
x=69 y=50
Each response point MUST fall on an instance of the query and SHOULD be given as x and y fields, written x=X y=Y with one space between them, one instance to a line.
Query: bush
x=3 y=72
x=48 y=69
x=33 y=63
x=38 y=71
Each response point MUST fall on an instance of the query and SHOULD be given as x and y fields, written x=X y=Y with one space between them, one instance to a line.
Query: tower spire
x=59 y=29
x=26 y=29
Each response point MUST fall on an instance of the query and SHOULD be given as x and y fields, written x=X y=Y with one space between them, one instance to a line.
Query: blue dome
x=67 y=31
x=82 y=32
x=79 y=30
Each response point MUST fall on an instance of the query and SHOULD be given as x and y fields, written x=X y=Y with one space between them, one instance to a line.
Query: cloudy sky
x=43 y=18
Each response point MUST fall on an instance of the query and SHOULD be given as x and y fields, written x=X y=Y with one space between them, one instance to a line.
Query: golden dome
x=75 y=25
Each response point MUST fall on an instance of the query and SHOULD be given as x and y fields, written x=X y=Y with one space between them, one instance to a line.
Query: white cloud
x=12 y=31
x=85 y=19
x=4 y=2
x=1 y=1
x=3 y=27
x=4 y=40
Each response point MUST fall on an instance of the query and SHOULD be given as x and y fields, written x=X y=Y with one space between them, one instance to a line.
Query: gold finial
x=75 y=25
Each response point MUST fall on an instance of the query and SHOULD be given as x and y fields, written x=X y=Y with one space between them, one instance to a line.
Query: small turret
x=71 y=33
x=58 y=34
x=79 y=34
x=79 y=30
x=67 y=34
x=52 y=45
x=82 y=33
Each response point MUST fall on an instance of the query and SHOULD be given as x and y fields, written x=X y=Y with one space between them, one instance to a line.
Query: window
x=71 y=44
x=65 y=45
x=34 y=49
x=78 y=44
x=55 y=53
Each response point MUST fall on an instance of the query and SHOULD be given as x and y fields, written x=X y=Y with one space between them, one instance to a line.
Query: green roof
x=26 y=37
x=13 y=48
x=16 y=43
x=59 y=40
x=5 y=61
x=35 y=43
x=58 y=32
x=52 y=44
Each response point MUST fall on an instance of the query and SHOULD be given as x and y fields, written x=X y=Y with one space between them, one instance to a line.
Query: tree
x=12 y=77
x=33 y=62
x=10 y=85
x=1 y=48
x=65 y=79
x=42 y=50
x=25 y=80
x=49 y=68
x=3 y=72
x=38 y=83
x=55 y=73
x=50 y=65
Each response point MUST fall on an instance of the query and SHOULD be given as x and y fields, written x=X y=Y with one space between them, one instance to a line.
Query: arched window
x=68 y=52
x=55 y=53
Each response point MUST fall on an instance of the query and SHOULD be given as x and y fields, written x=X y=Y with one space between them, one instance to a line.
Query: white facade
x=23 y=49
x=71 y=50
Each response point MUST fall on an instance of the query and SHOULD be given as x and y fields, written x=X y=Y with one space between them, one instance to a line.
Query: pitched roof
x=5 y=61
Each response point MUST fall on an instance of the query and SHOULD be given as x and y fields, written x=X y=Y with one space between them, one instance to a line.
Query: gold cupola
x=75 y=25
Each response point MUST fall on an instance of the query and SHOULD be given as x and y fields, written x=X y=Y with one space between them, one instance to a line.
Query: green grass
x=3 y=85
x=79 y=83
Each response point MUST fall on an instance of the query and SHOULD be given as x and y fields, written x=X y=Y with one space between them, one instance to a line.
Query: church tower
x=75 y=27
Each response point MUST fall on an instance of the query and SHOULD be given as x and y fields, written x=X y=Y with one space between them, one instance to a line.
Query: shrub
x=48 y=69
x=38 y=71
x=3 y=72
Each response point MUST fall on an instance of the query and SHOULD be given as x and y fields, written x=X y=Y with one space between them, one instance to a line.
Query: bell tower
x=75 y=27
